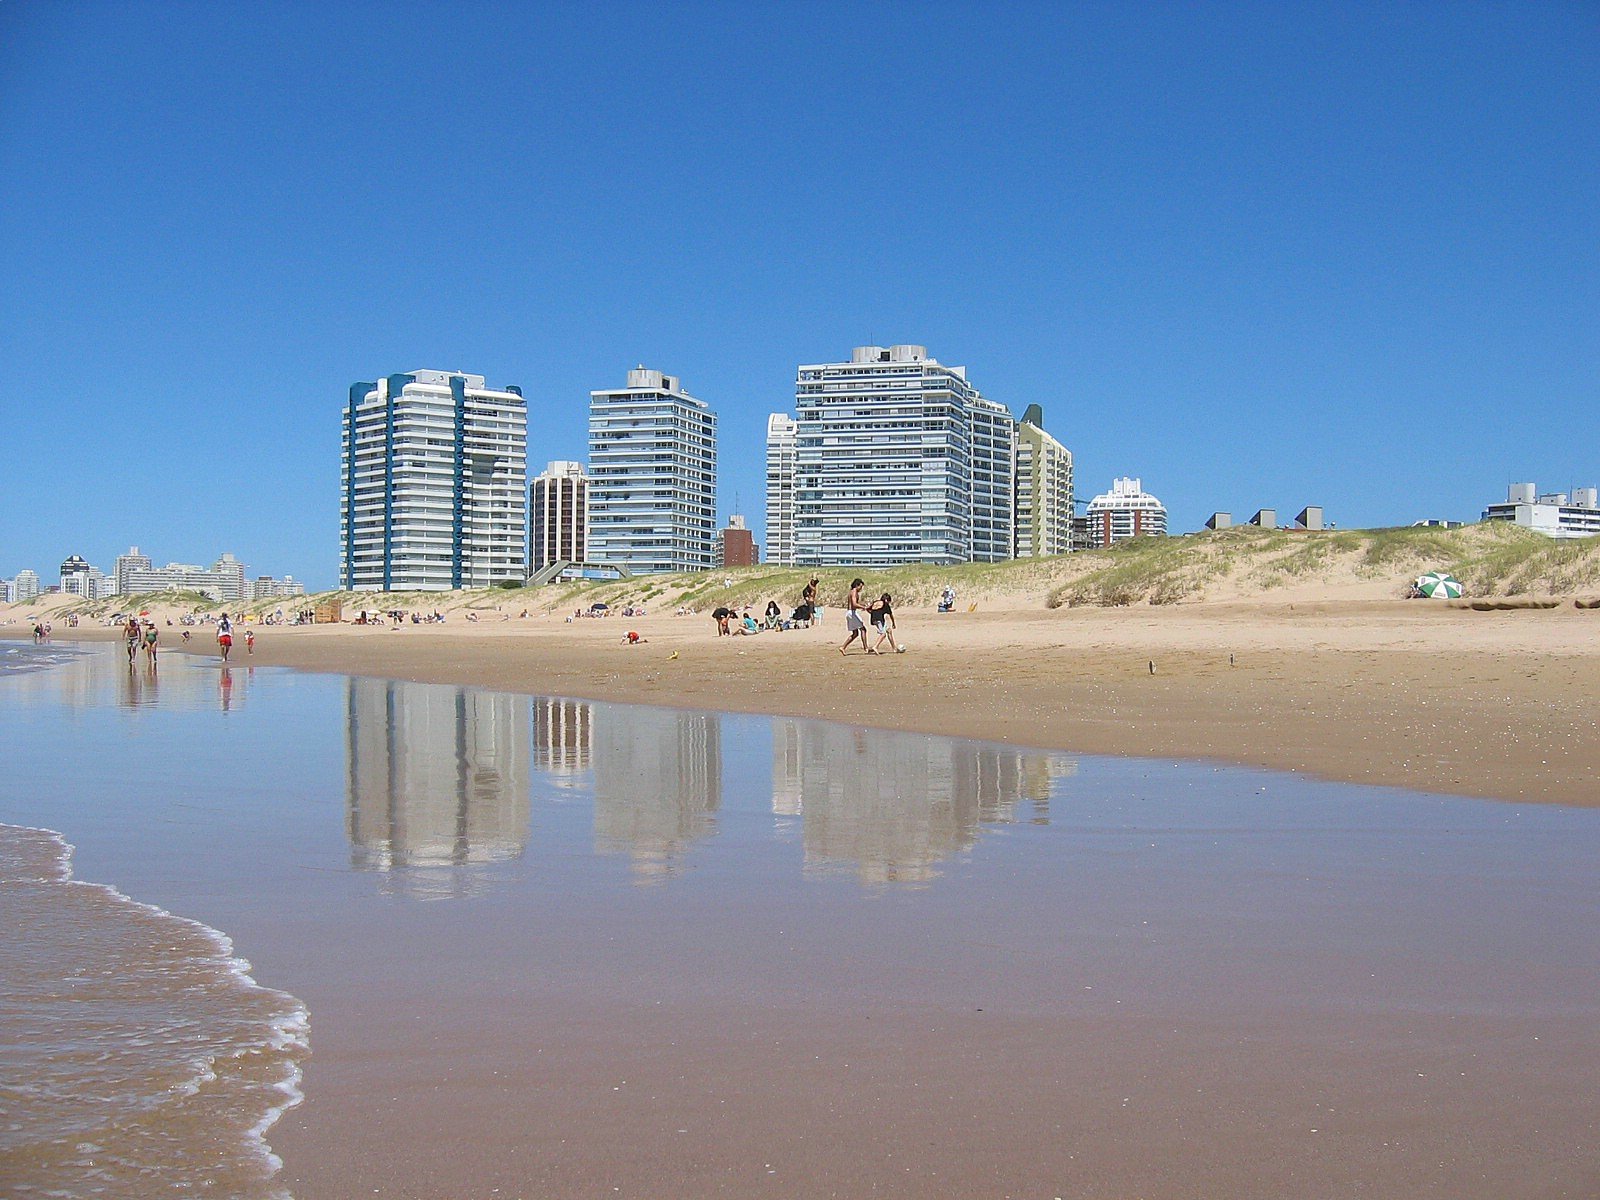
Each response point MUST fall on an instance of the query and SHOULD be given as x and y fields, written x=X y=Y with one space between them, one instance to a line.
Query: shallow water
x=1241 y=956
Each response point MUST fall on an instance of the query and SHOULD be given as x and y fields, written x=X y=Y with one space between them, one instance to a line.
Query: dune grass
x=1492 y=559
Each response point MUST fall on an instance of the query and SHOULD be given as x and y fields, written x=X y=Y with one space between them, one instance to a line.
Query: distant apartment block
x=736 y=545
x=781 y=445
x=652 y=476
x=1044 y=503
x=1126 y=511
x=558 y=508
x=78 y=578
x=897 y=459
x=127 y=564
x=265 y=587
x=1554 y=514
x=223 y=580
x=25 y=587
x=434 y=484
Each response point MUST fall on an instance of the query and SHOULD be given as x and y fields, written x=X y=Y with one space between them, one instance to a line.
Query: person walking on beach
x=249 y=641
x=852 y=618
x=808 y=602
x=224 y=636
x=132 y=635
x=152 y=635
x=882 y=612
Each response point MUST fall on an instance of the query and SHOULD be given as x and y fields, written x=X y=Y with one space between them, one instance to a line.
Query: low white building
x=265 y=587
x=1554 y=514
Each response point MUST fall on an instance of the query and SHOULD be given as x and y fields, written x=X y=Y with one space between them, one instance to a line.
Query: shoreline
x=1500 y=705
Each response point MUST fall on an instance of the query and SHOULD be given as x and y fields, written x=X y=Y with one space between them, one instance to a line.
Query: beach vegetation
x=1495 y=560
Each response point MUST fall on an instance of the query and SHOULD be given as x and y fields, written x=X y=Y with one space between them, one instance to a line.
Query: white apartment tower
x=558 y=507
x=1126 y=511
x=781 y=443
x=652 y=477
x=1044 y=489
x=435 y=484
x=897 y=459
x=127 y=564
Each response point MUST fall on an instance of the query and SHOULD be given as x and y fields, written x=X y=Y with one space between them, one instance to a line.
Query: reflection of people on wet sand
x=852 y=618
x=225 y=687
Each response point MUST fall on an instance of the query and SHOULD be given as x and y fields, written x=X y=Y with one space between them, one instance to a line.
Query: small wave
x=21 y=658
x=152 y=1060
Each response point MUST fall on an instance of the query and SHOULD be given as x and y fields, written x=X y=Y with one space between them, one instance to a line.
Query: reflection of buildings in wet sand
x=563 y=739
x=437 y=778
x=895 y=804
x=657 y=784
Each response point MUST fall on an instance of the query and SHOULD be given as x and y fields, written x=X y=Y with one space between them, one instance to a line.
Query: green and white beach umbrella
x=1439 y=586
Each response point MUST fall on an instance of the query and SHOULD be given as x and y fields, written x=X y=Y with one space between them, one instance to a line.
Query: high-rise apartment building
x=435 y=483
x=25 y=587
x=897 y=459
x=1044 y=489
x=652 y=476
x=558 y=508
x=781 y=442
x=1126 y=511
x=127 y=564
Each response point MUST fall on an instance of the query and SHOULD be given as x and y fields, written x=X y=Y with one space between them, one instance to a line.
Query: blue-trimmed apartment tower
x=435 y=469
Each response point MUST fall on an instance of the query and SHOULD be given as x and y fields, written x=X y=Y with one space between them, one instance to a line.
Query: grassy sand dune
x=1498 y=563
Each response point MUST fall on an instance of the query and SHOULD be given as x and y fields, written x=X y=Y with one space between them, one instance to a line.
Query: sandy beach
x=1500 y=704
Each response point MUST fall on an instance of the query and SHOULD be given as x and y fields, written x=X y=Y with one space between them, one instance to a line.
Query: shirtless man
x=853 y=621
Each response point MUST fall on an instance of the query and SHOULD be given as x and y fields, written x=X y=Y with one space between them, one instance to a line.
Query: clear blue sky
x=1256 y=254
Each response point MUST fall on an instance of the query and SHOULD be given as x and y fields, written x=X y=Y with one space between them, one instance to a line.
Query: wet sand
x=1257 y=988
x=1501 y=705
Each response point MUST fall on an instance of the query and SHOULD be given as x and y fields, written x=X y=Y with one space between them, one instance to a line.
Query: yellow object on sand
x=672 y=656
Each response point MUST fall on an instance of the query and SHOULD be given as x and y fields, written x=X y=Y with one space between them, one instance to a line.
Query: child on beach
x=249 y=641
x=882 y=612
